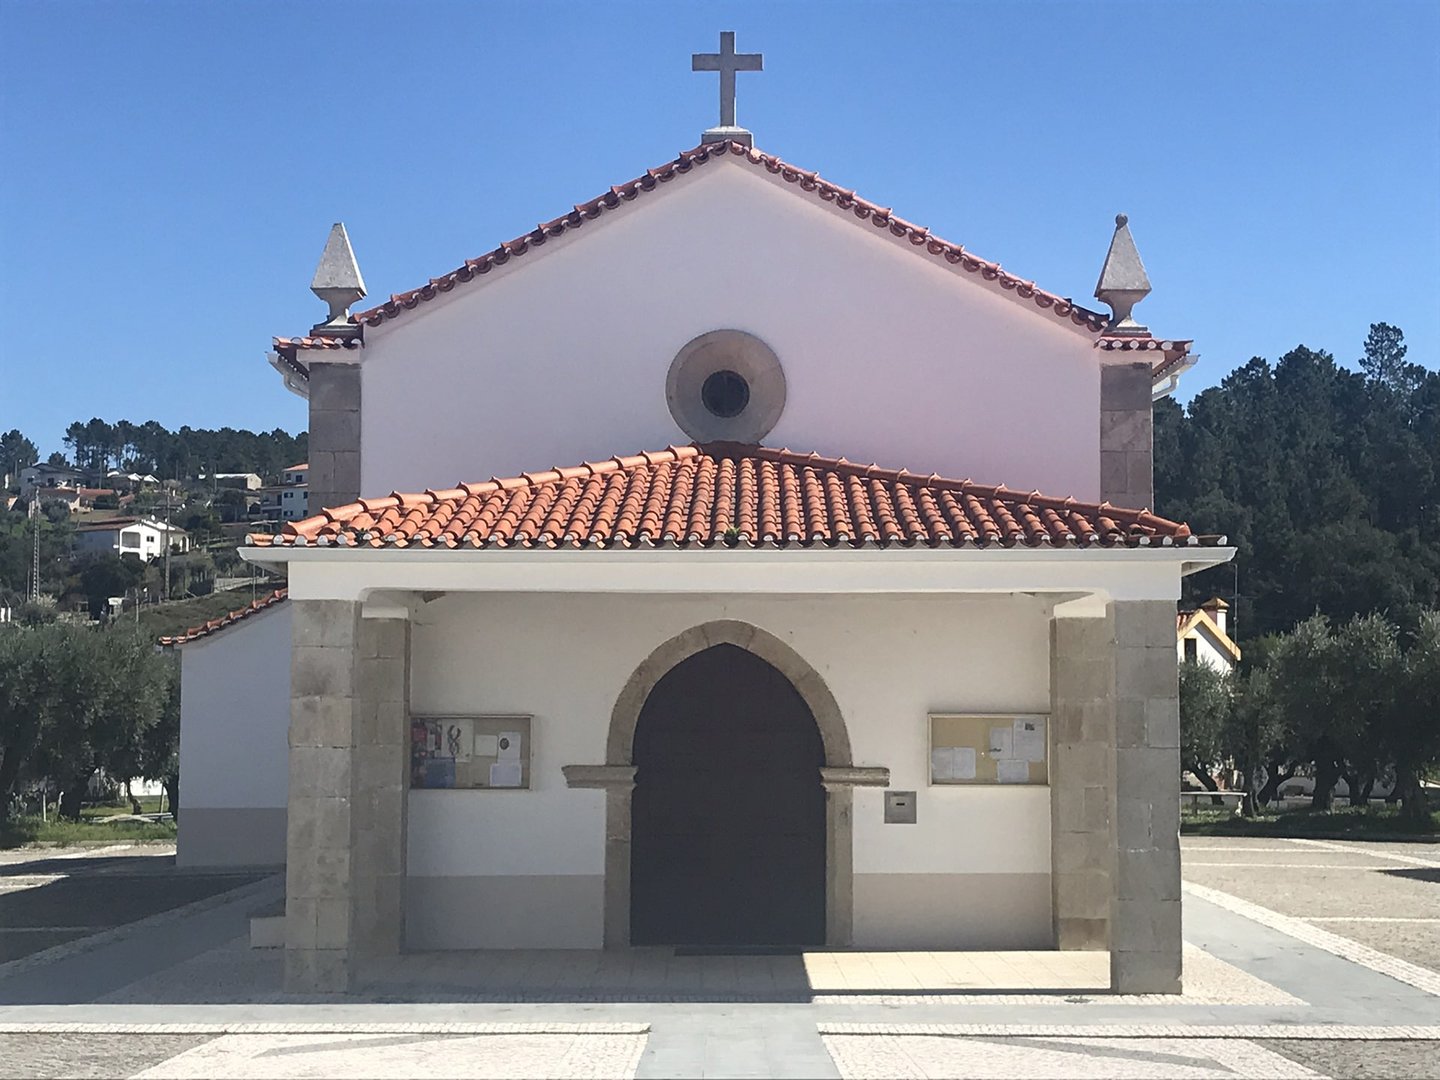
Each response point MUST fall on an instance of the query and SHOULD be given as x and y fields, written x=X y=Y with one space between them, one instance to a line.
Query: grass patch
x=20 y=831
x=149 y=804
x=1351 y=822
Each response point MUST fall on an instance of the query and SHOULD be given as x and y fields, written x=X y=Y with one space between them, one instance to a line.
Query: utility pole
x=167 y=543
x=35 y=554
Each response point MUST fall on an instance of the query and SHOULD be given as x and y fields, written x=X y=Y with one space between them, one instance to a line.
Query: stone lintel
x=848 y=776
x=599 y=776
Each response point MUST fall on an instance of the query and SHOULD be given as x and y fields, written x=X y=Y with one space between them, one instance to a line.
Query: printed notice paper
x=1002 y=739
x=459 y=739
x=487 y=745
x=952 y=763
x=1029 y=740
x=1012 y=771
x=510 y=747
x=942 y=763
x=505 y=774
x=964 y=762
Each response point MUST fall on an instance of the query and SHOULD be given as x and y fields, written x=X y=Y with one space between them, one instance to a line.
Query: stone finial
x=338 y=282
x=1123 y=281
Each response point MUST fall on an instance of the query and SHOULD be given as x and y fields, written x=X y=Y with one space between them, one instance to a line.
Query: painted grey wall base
x=240 y=836
x=952 y=911
x=1082 y=720
x=1145 y=935
x=513 y=912
x=1126 y=435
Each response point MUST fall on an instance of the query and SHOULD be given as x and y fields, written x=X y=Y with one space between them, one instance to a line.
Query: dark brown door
x=728 y=819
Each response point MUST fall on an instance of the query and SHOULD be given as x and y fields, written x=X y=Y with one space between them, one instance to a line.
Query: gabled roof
x=732 y=495
x=1201 y=621
x=801 y=181
x=214 y=626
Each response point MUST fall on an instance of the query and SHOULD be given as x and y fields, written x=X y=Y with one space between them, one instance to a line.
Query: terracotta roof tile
x=215 y=625
x=1173 y=353
x=732 y=495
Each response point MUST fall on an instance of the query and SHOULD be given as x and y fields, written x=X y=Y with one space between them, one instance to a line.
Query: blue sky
x=169 y=171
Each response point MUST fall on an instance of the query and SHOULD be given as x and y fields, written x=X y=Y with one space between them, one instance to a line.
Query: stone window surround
x=742 y=354
x=839 y=776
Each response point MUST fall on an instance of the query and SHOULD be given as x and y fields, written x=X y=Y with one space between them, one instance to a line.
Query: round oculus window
x=725 y=393
x=725 y=385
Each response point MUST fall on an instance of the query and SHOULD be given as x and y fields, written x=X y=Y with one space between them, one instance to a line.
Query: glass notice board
x=988 y=748
x=470 y=752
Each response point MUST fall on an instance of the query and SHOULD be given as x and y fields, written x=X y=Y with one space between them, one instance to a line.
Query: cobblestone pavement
x=43 y=1057
x=1273 y=989
x=1056 y=1058
x=49 y=897
x=1385 y=896
x=1359 y=1060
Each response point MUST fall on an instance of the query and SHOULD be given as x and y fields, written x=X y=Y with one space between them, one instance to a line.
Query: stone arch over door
x=617 y=775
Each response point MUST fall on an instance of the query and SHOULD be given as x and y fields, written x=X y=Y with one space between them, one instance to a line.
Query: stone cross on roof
x=727 y=62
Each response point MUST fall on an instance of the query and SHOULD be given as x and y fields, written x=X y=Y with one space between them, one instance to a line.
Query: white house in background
x=613 y=668
x=131 y=479
x=1201 y=636
x=245 y=481
x=144 y=537
x=234 y=720
x=295 y=474
x=44 y=475
x=293 y=502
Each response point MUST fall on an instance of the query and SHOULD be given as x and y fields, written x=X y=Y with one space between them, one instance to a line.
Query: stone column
x=334 y=473
x=1145 y=936
x=1082 y=717
x=1126 y=435
x=345 y=839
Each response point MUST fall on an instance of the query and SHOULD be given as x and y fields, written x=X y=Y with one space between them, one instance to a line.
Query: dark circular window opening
x=725 y=393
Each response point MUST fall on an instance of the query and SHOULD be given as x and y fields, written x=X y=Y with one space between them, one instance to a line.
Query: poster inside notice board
x=985 y=748
x=488 y=752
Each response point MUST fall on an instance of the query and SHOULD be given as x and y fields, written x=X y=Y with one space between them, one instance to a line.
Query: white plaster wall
x=889 y=661
x=889 y=356
x=1206 y=651
x=234 y=741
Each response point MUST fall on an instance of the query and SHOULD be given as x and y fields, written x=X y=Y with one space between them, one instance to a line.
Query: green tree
x=1205 y=704
x=16 y=452
x=109 y=575
x=81 y=697
x=1410 y=733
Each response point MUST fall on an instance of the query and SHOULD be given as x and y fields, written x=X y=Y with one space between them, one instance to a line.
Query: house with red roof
x=726 y=563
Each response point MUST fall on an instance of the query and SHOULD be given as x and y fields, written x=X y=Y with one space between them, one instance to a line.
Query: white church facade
x=672 y=663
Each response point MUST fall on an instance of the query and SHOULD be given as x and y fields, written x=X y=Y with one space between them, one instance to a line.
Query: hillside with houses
x=131 y=520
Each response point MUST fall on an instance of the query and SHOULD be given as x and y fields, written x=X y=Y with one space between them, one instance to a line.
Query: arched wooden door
x=728 y=813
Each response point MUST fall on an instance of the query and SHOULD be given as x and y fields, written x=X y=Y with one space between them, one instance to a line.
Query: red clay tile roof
x=726 y=494
x=287 y=347
x=215 y=625
x=879 y=216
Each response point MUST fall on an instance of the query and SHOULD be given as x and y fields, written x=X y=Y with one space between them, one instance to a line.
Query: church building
x=727 y=563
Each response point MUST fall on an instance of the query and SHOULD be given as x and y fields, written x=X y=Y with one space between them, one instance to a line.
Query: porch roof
x=735 y=496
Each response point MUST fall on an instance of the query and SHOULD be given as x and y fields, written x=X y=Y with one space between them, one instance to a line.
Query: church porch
x=1084 y=861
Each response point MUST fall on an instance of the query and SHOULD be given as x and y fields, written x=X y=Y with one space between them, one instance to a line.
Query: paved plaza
x=1303 y=959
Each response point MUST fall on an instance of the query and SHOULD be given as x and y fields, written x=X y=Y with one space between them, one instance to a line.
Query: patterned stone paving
x=900 y=1057
x=387 y=1055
